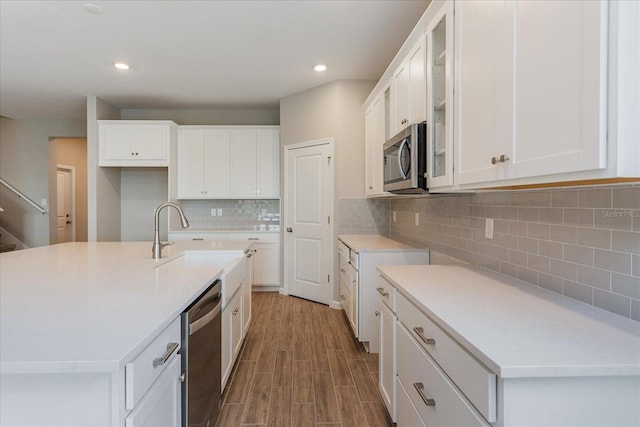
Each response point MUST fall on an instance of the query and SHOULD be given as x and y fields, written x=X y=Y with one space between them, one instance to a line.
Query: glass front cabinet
x=440 y=98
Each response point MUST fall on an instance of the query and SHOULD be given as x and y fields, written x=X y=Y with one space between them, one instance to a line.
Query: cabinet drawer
x=354 y=259
x=441 y=404
x=387 y=293
x=141 y=373
x=255 y=237
x=408 y=415
x=474 y=379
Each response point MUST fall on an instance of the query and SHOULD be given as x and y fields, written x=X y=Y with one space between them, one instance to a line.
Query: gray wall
x=580 y=242
x=141 y=190
x=332 y=110
x=220 y=116
x=25 y=158
x=103 y=183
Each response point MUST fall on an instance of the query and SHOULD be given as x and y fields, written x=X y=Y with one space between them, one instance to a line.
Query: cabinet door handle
x=289 y=229
x=420 y=389
x=420 y=333
x=171 y=347
x=503 y=158
x=235 y=311
x=253 y=238
x=494 y=160
x=382 y=292
x=342 y=270
x=377 y=313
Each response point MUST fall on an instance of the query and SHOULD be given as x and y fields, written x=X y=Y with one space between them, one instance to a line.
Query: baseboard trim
x=336 y=305
x=261 y=288
x=282 y=291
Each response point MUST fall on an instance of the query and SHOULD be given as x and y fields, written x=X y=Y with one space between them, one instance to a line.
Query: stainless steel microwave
x=405 y=160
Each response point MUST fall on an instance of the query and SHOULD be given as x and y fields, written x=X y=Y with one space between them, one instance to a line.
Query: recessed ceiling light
x=320 y=67
x=121 y=66
x=92 y=8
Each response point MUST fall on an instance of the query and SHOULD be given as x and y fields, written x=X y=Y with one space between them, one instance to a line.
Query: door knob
x=289 y=230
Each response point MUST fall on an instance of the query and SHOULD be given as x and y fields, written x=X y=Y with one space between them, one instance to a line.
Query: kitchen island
x=74 y=316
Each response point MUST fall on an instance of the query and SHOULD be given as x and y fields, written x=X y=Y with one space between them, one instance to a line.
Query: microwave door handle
x=403 y=145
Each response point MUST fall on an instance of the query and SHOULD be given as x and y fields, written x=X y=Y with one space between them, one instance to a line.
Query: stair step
x=7 y=247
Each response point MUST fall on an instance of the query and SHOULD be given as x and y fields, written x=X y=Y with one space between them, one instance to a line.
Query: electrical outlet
x=417 y=219
x=219 y=211
x=43 y=202
x=394 y=216
x=488 y=228
x=213 y=212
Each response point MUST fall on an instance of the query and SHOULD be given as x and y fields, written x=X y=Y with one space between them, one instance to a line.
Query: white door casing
x=308 y=208
x=65 y=211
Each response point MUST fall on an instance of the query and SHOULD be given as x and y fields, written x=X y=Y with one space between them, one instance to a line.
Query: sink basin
x=233 y=263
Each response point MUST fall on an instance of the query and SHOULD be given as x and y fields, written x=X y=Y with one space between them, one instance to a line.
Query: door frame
x=72 y=171
x=286 y=205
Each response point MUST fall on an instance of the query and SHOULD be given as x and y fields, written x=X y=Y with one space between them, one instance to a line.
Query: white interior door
x=308 y=206
x=65 y=207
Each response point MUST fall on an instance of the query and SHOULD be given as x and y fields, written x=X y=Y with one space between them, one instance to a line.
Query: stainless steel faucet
x=157 y=245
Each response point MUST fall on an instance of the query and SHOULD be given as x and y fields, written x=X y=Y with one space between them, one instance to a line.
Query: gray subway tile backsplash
x=581 y=242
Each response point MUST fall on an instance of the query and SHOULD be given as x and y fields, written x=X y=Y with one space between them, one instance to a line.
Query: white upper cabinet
x=440 y=98
x=255 y=163
x=374 y=141
x=134 y=142
x=203 y=163
x=409 y=90
x=228 y=162
x=530 y=88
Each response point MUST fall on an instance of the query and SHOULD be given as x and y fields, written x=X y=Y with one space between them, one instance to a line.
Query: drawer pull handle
x=171 y=347
x=420 y=389
x=197 y=238
x=382 y=292
x=420 y=333
x=254 y=238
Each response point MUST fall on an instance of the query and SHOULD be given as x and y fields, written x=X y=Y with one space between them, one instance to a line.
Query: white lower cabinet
x=266 y=264
x=387 y=366
x=232 y=328
x=436 y=398
x=407 y=413
x=162 y=404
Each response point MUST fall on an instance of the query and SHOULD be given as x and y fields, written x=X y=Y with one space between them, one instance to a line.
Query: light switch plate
x=219 y=211
x=488 y=228
x=213 y=212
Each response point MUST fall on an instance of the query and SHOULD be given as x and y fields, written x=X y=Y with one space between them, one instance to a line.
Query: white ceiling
x=189 y=54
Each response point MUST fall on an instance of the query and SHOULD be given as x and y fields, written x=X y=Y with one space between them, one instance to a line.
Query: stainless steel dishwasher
x=201 y=363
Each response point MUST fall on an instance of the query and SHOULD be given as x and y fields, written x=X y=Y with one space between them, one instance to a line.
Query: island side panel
x=72 y=400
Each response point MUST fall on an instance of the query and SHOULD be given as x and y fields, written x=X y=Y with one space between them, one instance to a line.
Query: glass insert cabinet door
x=440 y=97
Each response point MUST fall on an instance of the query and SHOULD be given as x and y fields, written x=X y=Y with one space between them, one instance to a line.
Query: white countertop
x=375 y=243
x=520 y=330
x=91 y=307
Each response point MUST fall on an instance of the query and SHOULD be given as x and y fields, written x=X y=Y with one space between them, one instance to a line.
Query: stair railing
x=23 y=196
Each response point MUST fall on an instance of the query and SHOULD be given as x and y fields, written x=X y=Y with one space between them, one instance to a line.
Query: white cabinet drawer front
x=474 y=379
x=148 y=365
x=387 y=293
x=408 y=415
x=433 y=394
x=345 y=299
x=256 y=237
x=162 y=406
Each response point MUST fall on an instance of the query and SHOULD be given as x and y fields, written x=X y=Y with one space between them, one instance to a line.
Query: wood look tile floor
x=301 y=366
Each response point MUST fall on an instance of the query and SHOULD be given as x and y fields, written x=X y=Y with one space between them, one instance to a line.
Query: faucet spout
x=157 y=245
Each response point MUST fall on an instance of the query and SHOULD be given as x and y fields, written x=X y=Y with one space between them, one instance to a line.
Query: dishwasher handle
x=207 y=318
